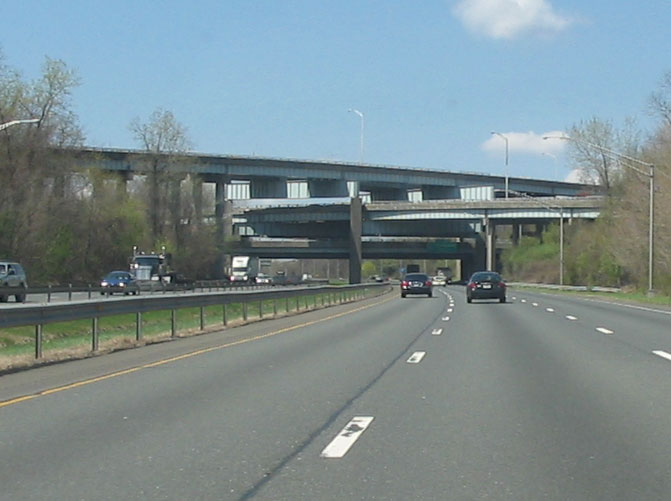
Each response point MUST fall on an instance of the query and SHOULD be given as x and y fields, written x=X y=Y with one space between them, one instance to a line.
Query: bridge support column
x=224 y=222
x=355 y=249
x=490 y=244
x=327 y=188
x=268 y=188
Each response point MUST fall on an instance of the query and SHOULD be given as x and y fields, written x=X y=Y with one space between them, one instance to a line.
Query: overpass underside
x=454 y=230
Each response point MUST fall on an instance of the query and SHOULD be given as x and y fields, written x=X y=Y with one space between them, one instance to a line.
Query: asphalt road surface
x=544 y=397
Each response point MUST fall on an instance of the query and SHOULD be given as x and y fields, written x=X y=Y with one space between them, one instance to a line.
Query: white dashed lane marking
x=346 y=438
x=437 y=332
x=571 y=317
x=550 y=310
x=662 y=354
x=603 y=330
x=416 y=357
x=446 y=319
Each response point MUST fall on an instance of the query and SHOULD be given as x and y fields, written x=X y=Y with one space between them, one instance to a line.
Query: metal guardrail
x=39 y=315
x=148 y=288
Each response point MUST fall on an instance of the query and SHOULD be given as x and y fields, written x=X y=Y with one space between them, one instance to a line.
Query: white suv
x=12 y=275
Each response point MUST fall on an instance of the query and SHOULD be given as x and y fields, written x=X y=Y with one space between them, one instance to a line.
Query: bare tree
x=166 y=140
x=593 y=139
x=660 y=100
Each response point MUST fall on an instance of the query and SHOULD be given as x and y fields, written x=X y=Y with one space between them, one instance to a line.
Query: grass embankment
x=67 y=340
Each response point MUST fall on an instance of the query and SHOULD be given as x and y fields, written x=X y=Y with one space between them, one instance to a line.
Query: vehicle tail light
x=404 y=283
x=471 y=285
x=428 y=283
x=502 y=285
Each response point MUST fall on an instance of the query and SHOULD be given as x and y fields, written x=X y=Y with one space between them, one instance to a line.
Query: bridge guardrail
x=39 y=315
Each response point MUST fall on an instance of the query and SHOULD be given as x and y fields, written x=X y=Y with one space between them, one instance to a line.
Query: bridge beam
x=327 y=188
x=440 y=192
x=268 y=187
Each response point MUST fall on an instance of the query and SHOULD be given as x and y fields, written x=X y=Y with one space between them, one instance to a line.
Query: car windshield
x=3 y=269
x=486 y=277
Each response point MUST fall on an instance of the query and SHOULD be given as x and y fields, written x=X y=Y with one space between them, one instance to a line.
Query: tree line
x=613 y=250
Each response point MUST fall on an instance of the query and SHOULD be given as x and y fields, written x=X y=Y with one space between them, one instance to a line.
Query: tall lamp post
x=17 y=122
x=650 y=175
x=361 y=139
x=506 y=172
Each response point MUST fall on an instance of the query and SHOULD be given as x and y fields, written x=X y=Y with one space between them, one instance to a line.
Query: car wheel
x=430 y=294
x=469 y=300
x=3 y=298
x=503 y=299
x=20 y=298
x=402 y=295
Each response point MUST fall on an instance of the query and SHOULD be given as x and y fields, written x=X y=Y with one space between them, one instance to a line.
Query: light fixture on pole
x=17 y=122
x=506 y=171
x=361 y=138
x=650 y=175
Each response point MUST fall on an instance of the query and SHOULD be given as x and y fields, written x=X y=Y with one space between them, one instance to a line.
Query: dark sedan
x=416 y=283
x=119 y=281
x=486 y=285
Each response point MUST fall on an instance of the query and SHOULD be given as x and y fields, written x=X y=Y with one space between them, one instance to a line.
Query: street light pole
x=362 y=127
x=650 y=175
x=17 y=122
x=506 y=172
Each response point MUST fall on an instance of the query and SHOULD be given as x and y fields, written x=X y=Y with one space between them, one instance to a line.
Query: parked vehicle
x=13 y=275
x=486 y=285
x=416 y=283
x=119 y=281
x=244 y=269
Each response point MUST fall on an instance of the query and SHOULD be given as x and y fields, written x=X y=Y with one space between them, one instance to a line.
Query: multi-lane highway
x=544 y=397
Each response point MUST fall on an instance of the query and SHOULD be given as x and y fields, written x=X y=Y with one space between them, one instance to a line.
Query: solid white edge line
x=416 y=357
x=603 y=330
x=662 y=354
x=346 y=438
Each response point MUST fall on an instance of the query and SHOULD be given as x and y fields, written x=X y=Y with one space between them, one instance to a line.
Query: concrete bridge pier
x=223 y=215
x=355 y=248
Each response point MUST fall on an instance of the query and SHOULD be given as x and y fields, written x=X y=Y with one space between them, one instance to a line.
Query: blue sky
x=277 y=78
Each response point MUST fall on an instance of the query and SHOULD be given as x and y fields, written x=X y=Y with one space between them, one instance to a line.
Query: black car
x=486 y=285
x=416 y=283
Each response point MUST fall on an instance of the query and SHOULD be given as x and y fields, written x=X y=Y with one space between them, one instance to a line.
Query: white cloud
x=526 y=142
x=509 y=18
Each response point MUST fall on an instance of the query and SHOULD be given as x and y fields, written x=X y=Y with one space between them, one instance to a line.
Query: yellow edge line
x=85 y=382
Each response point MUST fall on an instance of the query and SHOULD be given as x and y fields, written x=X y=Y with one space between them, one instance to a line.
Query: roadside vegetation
x=613 y=250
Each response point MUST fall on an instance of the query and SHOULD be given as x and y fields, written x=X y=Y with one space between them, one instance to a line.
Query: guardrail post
x=173 y=323
x=274 y=307
x=138 y=326
x=69 y=292
x=244 y=311
x=260 y=309
x=202 y=318
x=286 y=304
x=94 y=335
x=223 y=315
x=49 y=294
x=89 y=291
x=38 y=341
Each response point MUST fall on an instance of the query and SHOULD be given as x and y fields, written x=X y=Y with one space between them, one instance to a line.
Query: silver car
x=12 y=275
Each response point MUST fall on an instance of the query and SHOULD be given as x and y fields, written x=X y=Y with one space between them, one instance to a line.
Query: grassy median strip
x=73 y=339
